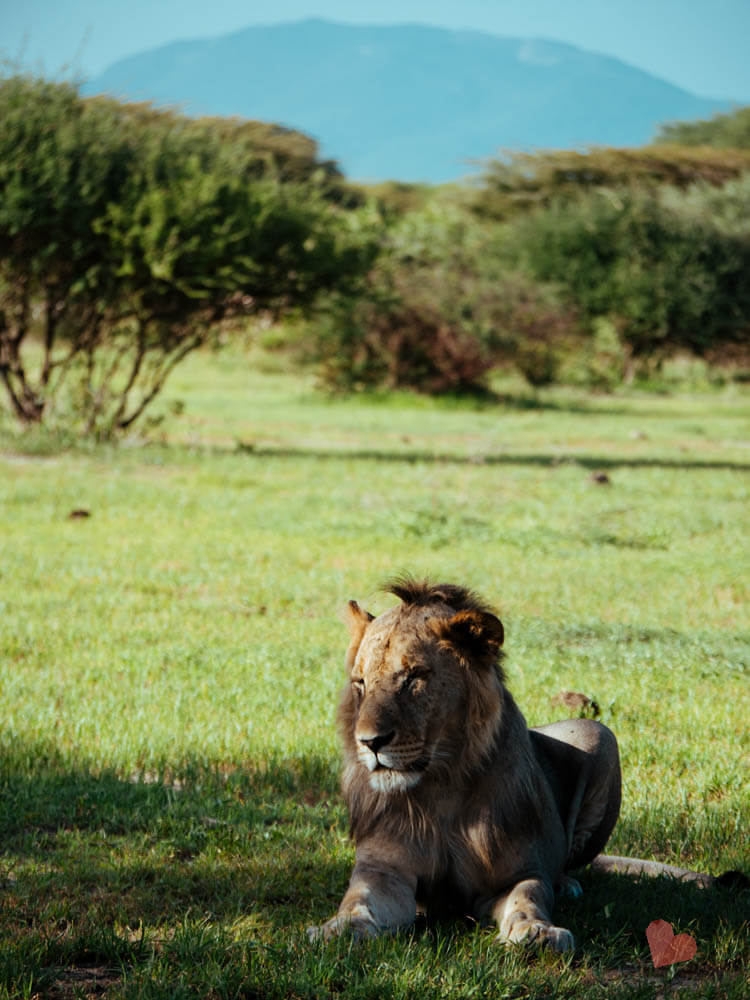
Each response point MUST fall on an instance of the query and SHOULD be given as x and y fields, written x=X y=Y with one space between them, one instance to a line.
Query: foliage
x=649 y=248
x=523 y=181
x=668 y=269
x=130 y=236
x=728 y=130
x=127 y=234
x=169 y=815
x=395 y=198
x=439 y=312
x=263 y=149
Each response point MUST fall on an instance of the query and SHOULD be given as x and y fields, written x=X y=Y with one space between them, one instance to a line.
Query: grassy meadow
x=169 y=668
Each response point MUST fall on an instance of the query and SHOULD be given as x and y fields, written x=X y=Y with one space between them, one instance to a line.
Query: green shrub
x=440 y=311
x=667 y=269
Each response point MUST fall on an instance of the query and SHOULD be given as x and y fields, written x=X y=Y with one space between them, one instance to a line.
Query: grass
x=169 y=815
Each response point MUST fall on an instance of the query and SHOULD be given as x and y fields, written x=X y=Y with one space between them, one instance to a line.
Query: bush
x=439 y=312
x=667 y=269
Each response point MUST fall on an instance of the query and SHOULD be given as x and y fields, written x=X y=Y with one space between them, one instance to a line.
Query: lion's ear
x=476 y=635
x=357 y=620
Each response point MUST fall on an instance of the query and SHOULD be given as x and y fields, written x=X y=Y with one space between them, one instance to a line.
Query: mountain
x=408 y=102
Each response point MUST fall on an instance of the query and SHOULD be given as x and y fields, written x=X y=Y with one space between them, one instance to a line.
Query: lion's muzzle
x=392 y=764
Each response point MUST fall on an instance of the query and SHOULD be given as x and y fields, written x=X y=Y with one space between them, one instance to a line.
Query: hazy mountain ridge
x=408 y=102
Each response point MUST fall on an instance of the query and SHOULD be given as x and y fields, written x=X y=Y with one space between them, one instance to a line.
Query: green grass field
x=169 y=668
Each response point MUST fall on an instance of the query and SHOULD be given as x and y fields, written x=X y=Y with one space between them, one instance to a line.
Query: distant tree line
x=586 y=266
x=724 y=131
x=591 y=266
x=130 y=235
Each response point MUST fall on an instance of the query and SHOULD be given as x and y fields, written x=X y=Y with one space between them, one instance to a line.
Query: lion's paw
x=539 y=934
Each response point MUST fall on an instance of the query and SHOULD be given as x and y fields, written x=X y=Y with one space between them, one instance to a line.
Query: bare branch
x=157 y=386
x=134 y=372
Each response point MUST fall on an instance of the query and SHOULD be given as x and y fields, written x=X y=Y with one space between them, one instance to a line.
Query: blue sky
x=701 y=45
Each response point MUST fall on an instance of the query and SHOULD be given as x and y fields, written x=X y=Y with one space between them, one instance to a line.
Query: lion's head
x=425 y=692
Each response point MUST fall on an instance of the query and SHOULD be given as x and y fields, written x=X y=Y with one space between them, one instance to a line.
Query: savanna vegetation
x=723 y=131
x=130 y=236
x=183 y=511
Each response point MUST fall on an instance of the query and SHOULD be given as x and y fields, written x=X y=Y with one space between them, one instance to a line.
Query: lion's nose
x=374 y=743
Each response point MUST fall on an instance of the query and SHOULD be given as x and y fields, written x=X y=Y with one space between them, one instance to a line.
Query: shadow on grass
x=479 y=401
x=615 y=910
x=212 y=877
x=219 y=840
x=589 y=462
x=149 y=850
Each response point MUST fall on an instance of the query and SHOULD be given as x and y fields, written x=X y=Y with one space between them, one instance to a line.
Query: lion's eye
x=411 y=682
x=359 y=685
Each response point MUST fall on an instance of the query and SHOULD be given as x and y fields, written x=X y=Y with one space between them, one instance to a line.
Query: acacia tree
x=127 y=234
x=521 y=182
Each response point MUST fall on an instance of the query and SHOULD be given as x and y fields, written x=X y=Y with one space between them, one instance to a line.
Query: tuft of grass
x=170 y=665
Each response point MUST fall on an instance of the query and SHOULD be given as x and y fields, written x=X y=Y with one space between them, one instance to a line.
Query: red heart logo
x=666 y=949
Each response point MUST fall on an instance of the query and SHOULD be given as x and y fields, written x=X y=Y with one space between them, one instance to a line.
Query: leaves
x=127 y=233
x=664 y=268
x=440 y=309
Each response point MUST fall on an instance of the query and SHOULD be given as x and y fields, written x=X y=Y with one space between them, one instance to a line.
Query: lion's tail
x=637 y=866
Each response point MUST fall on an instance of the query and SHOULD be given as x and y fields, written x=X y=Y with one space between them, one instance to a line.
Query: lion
x=453 y=801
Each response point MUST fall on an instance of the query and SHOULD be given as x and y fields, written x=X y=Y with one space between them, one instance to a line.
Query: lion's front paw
x=537 y=933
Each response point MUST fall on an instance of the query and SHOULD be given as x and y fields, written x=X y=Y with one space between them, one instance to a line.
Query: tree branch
x=160 y=379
